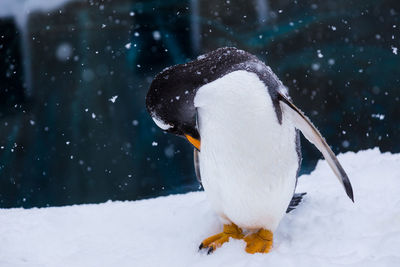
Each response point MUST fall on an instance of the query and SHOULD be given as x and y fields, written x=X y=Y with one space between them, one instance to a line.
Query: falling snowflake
x=378 y=116
x=156 y=35
x=394 y=50
x=113 y=99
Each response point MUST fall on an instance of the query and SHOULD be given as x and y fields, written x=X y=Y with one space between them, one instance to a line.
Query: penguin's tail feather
x=296 y=200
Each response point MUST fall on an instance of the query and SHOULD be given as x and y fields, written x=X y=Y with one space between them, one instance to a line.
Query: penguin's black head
x=170 y=97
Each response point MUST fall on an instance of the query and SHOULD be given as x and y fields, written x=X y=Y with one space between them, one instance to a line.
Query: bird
x=245 y=130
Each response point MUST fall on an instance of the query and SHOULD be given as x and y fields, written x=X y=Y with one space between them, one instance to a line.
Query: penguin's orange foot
x=260 y=242
x=215 y=241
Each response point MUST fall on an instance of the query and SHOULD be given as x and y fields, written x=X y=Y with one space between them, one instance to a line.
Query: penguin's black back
x=171 y=94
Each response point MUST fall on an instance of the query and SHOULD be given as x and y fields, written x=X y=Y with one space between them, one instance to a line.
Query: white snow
x=156 y=35
x=64 y=51
x=315 y=66
x=394 y=50
x=378 y=116
x=327 y=229
x=128 y=45
x=319 y=54
x=113 y=99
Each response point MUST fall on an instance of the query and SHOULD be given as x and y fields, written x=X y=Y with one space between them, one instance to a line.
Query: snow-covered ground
x=327 y=229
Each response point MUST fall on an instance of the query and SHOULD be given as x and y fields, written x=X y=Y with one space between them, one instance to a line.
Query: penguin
x=244 y=128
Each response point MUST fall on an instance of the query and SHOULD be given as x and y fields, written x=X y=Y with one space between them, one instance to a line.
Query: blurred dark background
x=62 y=141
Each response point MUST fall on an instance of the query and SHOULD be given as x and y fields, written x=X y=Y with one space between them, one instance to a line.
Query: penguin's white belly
x=248 y=161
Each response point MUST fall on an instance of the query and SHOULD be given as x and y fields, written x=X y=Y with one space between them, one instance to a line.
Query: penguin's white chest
x=248 y=161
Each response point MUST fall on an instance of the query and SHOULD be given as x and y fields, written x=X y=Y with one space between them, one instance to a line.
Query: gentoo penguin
x=245 y=131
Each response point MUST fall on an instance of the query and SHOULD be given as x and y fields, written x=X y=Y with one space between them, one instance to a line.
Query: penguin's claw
x=260 y=242
x=215 y=241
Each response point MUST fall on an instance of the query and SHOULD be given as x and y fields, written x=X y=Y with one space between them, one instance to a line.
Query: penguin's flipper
x=196 y=162
x=302 y=123
x=296 y=200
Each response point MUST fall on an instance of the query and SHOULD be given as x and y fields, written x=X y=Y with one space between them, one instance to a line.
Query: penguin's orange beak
x=195 y=142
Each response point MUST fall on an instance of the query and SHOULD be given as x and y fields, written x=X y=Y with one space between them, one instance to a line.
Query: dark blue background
x=63 y=142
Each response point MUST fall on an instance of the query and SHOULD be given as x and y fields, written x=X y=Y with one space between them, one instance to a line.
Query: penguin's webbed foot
x=260 y=242
x=215 y=241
